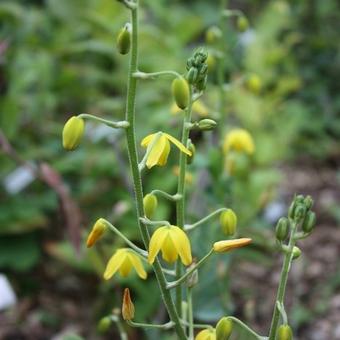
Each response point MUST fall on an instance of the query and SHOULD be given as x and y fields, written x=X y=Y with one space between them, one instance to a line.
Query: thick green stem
x=283 y=283
x=137 y=182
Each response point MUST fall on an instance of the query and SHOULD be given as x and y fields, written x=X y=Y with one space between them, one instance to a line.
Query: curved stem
x=148 y=222
x=121 y=330
x=116 y=125
x=153 y=75
x=164 y=326
x=245 y=327
x=169 y=197
x=203 y=220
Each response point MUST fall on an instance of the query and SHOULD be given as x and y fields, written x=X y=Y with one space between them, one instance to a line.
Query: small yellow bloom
x=96 y=233
x=206 y=334
x=161 y=148
x=128 y=309
x=239 y=140
x=227 y=245
x=124 y=259
x=198 y=107
x=172 y=241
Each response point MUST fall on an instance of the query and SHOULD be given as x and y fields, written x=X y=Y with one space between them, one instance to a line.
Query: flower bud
x=192 y=75
x=128 y=309
x=104 y=324
x=212 y=35
x=228 y=245
x=242 y=23
x=192 y=149
x=96 y=233
x=73 y=132
x=282 y=229
x=308 y=201
x=224 y=329
x=150 y=205
x=254 y=83
x=206 y=124
x=296 y=252
x=124 y=39
x=299 y=213
x=181 y=92
x=228 y=220
x=284 y=333
x=309 y=222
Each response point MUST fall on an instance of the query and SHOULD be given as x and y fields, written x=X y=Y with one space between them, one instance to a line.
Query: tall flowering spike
x=173 y=242
x=239 y=140
x=161 y=148
x=128 y=309
x=228 y=245
x=206 y=334
x=73 y=132
x=96 y=233
x=123 y=260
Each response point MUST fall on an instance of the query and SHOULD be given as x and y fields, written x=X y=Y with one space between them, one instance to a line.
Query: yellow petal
x=206 y=334
x=137 y=264
x=146 y=140
x=156 y=243
x=156 y=152
x=126 y=266
x=227 y=245
x=182 y=244
x=114 y=263
x=178 y=144
x=164 y=156
x=169 y=250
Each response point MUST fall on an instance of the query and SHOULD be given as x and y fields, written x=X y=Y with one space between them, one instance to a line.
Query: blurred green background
x=58 y=58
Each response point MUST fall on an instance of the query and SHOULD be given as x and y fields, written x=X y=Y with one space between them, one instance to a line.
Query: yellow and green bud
x=206 y=124
x=212 y=35
x=309 y=222
x=228 y=220
x=124 y=39
x=181 y=92
x=104 y=324
x=296 y=252
x=224 y=328
x=242 y=23
x=254 y=83
x=282 y=229
x=73 y=132
x=284 y=333
x=96 y=233
x=150 y=204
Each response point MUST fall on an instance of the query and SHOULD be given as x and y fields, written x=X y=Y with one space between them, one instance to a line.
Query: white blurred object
x=18 y=179
x=274 y=211
x=7 y=295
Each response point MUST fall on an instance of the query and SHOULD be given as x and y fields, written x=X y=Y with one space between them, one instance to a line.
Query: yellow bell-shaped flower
x=172 y=241
x=123 y=260
x=206 y=334
x=239 y=140
x=160 y=149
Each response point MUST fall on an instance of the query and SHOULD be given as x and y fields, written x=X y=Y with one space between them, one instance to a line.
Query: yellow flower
x=227 y=245
x=197 y=107
x=96 y=232
x=239 y=140
x=173 y=241
x=206 y=334
x=161 y=147
x=124 y=259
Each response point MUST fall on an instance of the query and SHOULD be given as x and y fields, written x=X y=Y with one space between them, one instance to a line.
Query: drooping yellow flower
x=161 y=148
x=206 y=334
x=124 y=259
x=172 y=241
x=96 y=233
x=227 y=245
x=197 y=107
x=239 y=140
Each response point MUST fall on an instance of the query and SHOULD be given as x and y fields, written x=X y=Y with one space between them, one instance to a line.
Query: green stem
x=148 y=222
x=153 y=75
x=121 y=330
x=164 y=326
x=203 y=220
x=169 y=197
x=190 y=315
x=283 y=283
x=137 y=182
x=116 y=125
x=180 y=204
x=245 y=327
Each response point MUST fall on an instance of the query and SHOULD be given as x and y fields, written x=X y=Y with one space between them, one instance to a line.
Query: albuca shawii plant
x=167 y=246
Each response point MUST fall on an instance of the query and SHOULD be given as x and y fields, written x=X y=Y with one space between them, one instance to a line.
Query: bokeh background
x=58 y=58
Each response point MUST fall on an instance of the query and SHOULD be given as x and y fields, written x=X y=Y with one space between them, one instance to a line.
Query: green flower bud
x=124 y=39
x=308 y=201
x=73 y=132
x=192 y=75
x=192 y=149
x=296 y=253
x=282 y=229
x=242 y=23
x=284 y=333
x=104 y=324
x=206 y=124
x=181 y=92
x=228 y=220
x=254 y=83
x=150 y=204
x=291 y=210
x=224 y=329
x=212 y=35
x=299 y=213
x=299 y=199
x=309 y=222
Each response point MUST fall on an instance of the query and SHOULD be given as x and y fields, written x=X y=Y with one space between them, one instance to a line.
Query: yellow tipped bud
x=181 y=92
x=150 y=204
x=96 y=233
x=285 y=333
x=224 y=329
x=228 y=245
x=128 y=309
x=228 y=220
x=73 y=132
x=124 y=39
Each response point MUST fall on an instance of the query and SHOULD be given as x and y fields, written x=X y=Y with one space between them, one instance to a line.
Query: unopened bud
x=97 y=232
x=213 y=34
x=192 y=149
x=309 y=222
x=282 y=229
x=124 y=39
x=224 y=328
x=299 y=213
x=128 y=309
x=242 y=23
x=254 y=83
x=104 y=324
x=73 y=132
x=207 y=124
x=228 y=245
x=284 y=333
x=296 y=252
x=150 y=204
x=192 y=75
x=308 y=201
x=228 y=220
x=181 y=92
